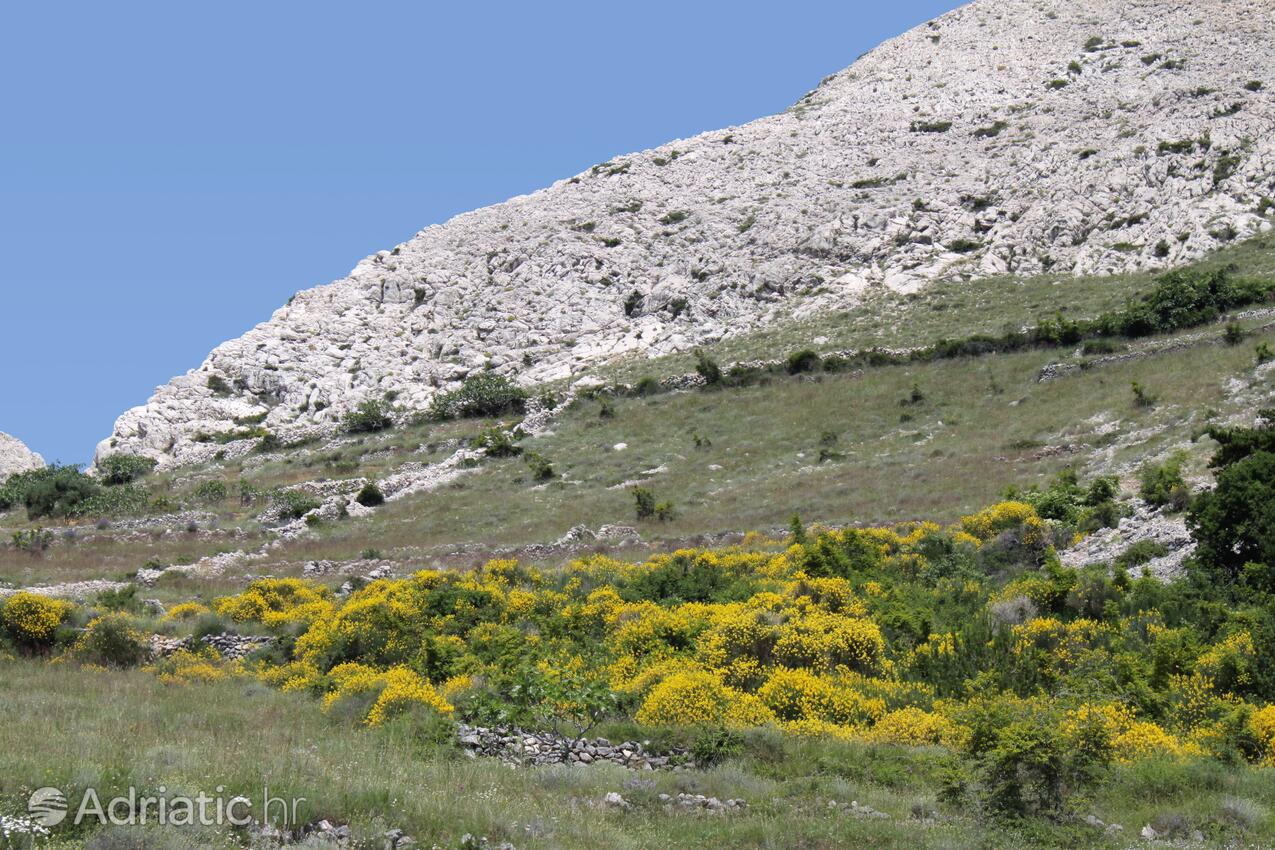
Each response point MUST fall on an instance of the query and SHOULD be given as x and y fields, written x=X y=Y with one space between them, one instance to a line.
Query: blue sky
x=171 y=172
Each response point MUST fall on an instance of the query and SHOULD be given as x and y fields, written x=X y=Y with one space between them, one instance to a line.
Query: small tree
x=370 y=496
x=707 y=368
x=644 y=501
x=369 y=417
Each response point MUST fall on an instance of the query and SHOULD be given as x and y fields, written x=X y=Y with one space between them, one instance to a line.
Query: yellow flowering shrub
x=381 y=694
x=1092 y=730
x=824 y=642
x=405 y=689
x=276 y=602
x=687 y=699
x=801 y=695
x=913 y=726
x=1262 y=724
x=1143 y=739
x=1006 y=516
x=1229 y=662
x=185 y=611
x=192 y=666
x=33 y=619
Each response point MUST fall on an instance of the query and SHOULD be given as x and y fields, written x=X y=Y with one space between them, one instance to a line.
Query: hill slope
x=1007 y=136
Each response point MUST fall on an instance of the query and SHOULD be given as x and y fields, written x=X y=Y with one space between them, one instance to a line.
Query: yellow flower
x=32 y=618
x=686 y=699
x=185 y=611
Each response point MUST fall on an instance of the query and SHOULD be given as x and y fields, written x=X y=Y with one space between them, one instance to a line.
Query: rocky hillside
x=16 y=457
x=1009 y=136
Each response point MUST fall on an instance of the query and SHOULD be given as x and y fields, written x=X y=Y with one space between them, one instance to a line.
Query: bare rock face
x=16 y=457
x=1009 y=136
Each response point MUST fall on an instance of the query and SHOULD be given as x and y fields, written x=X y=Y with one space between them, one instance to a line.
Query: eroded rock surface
x=1008 y=136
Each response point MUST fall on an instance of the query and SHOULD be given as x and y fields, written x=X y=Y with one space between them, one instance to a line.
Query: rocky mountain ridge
x=1006 y=137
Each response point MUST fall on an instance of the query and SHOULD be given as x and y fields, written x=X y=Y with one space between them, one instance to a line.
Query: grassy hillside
x=985 y=657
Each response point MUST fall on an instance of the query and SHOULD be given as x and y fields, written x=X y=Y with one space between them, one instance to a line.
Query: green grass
x=73 y=728
x=984 y=423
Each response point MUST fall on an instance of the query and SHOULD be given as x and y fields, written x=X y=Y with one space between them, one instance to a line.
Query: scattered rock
x=516 y=747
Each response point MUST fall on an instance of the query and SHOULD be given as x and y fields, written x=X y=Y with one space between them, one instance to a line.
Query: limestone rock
x=16 y=457
x=1007 y=136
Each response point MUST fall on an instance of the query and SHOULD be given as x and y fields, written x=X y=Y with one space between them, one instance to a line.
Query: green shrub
x=55 y=491
x=990 y=132
x=1263 y=353
x=707 y=368
x=294 y=504
x=646 y=386
x=713 y=745
x=1143 y=397
x=32 y=540
x=369 y=417
x=803 y=361
x=123 y=499
x=644 y=502
x=931 y=126
x=1253 y=85
x=481 y=395
x=370 y=496
x=497 y=442
x=1235 y=523
x=211 y=492
x=964 y=246
x=1234 y=333
x=218 y=385
x=110 y=641
x=1162 y=483
x=541 y=468
x=124 y=468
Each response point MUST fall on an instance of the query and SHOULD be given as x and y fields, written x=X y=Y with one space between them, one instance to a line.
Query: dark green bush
x=55 y=491
x=211 y=492
x=498 y=442
x=218 y=385
x=109 y=641
x=294 y=504
x=481 y=395
x=369 y=417
x=803 y=361
x=370 y=496
x=124 y=468
x=644 y=502
x=541 y=468
x=1235 y=523
x=1162 y=483
x=707 y=368
x=931 y=126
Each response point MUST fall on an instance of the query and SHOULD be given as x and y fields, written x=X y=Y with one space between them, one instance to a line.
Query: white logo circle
x=47 y=806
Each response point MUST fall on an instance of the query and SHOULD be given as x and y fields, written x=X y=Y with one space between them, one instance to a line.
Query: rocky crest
x=16 y=457
x=1008 y=136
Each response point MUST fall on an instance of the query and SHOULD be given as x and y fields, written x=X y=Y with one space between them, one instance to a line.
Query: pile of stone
x=858 y=810
x=698 y=802
x=516 y=747
x=78 y=590
x=230 y=646
x=324 y=833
